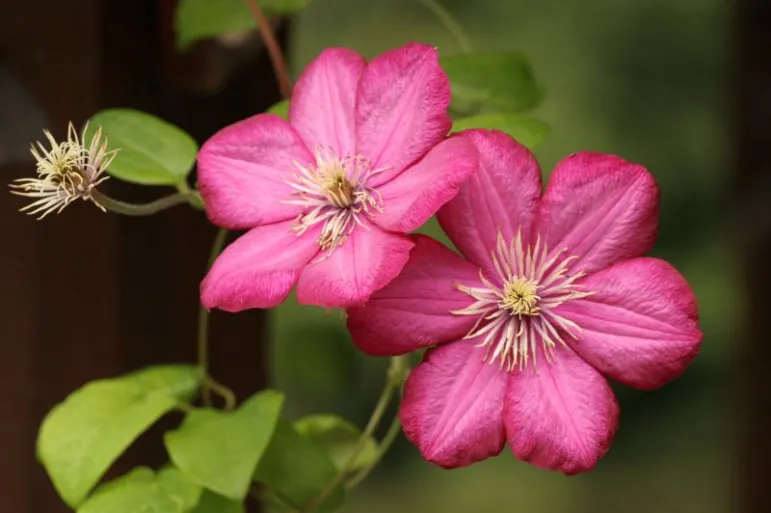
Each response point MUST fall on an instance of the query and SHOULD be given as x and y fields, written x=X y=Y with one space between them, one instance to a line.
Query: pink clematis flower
x=553 y=294
x=328 y=196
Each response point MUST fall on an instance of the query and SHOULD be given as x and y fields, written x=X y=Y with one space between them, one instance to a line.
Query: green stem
x=393 y=431
x=184 y=407
x=396 y=374
x=455 y=28
x=146 y=209
x=209 y=383
x=273 y=497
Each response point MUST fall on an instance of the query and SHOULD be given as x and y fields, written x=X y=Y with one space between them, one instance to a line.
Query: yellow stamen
x=520 y=296
x=337 y=188
x=515 y=310
x=334 y=192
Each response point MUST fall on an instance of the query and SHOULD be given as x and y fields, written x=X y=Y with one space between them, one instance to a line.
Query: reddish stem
x=274 y=49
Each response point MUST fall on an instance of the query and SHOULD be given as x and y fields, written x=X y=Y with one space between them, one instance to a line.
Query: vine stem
x=396 y=374
x=385 y=444
x=274 y=49
x=455 y=28
x=209 y=383
x=146 y=209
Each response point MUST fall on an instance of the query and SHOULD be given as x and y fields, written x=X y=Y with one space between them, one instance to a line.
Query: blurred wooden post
x=752 y=108
x=89 y=295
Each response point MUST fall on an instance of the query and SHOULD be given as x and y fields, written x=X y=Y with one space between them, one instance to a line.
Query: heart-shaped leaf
x=198 y=19
x=81 y=437
x=212 y=503
x=492 y=82
x=339 y=438
x=220 y=450
x=168 y=491
x=298 y=469
x=151 y=150
x=526 y=130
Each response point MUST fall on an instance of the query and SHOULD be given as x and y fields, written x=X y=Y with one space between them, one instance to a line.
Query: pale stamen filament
x=67 y=171
x=515 y=311
x=335 y=193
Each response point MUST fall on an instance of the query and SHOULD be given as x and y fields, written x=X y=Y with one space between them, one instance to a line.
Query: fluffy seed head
x=68 y=170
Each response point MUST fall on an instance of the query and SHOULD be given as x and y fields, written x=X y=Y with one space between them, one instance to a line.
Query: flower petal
x=560 y=416
x=602 y=208
x=641 y=327
x=502 y=194
x=323 y=102
x=452 y=408
x=401 y=108
x=414 y=196
x=259 y=269
x=413 y=311
x=243 y=169
x=366 y=262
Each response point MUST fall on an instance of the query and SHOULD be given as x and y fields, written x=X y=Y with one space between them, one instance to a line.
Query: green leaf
x=198 y=19
x=212 y=503
x=151 y=150
x=220 y=450
x=298 y=469
x=338 y=437
x=280 y=109
x=180 y=487
x=491 y=82
x=81 y=437
x=143 y=490
x=528 y=131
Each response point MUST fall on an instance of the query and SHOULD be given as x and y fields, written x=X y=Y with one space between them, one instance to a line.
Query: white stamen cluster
x=516 y=308
x=335 y=192
x=67 y=171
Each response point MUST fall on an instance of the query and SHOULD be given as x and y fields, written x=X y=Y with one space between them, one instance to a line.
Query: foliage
x=220 y=450
x=492 y=82
x=339 y=439
x=152 y=151
x=81 y=437
x=200 y=19
x=527 y=130
x=167 y=491
x=297 y=483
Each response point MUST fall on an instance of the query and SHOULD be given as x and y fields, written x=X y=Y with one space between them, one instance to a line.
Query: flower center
x=520 y=297
x=338 y=190
x=514 y=318
x=334 y=192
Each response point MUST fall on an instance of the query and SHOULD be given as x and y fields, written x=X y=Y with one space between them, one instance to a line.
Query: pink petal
x=602 y=208
x=642 y=325
x=414 y=196
x=452 y=408
x=366 y=262
x=503 y=194
x=561 y=416
x=259 y=269
x=243 y=170
x=413 y=311
x=401 y=109
x=323 y=102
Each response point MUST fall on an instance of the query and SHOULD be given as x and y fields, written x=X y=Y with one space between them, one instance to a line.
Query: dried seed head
x=67 y=171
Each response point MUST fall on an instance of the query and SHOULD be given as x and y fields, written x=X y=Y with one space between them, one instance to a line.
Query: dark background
x=681 y=87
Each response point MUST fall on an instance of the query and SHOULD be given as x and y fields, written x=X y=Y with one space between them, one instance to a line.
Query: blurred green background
x=644 y=79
